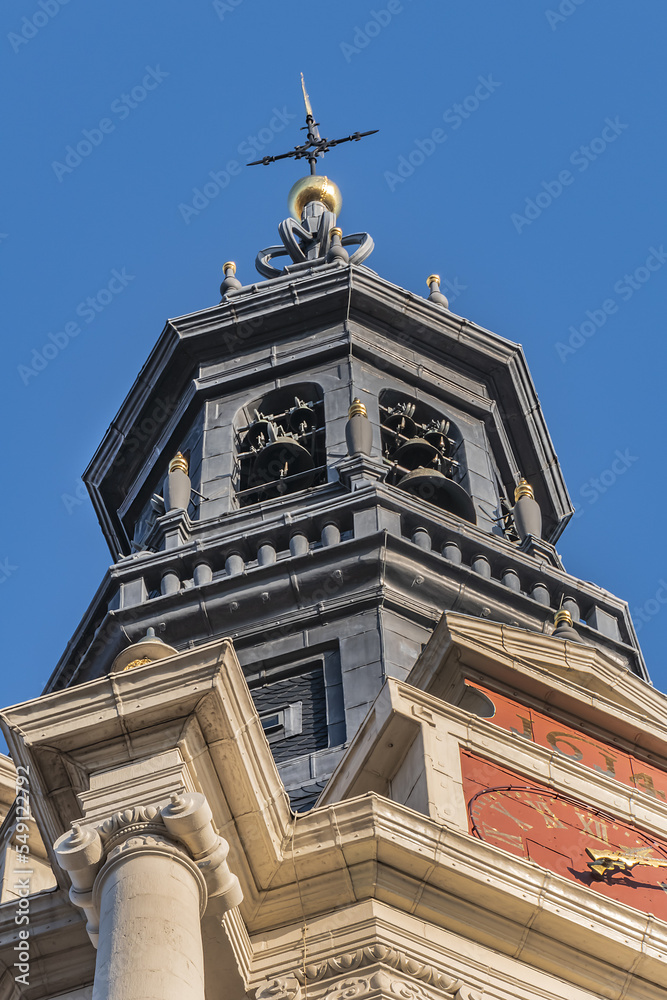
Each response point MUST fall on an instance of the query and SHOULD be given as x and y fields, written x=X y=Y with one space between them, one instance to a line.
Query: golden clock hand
x=609 y=862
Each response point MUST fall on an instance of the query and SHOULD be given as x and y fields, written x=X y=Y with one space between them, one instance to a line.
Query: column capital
x=182 y=829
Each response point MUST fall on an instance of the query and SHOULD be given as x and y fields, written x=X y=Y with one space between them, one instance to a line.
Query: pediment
x=575 y=678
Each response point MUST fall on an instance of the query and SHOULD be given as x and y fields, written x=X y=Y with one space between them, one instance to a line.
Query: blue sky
x=520 y=155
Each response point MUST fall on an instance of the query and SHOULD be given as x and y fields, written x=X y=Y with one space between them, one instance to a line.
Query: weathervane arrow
x=316 y=145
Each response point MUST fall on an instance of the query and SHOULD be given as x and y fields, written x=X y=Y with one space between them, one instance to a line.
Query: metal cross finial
x=315 y=146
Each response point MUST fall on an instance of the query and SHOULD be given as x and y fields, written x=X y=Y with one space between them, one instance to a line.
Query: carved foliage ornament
x=182 y=828
x=377 y=980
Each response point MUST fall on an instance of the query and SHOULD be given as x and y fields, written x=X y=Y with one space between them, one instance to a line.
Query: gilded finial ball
x=314 y=188
x=229 y=266
x=431 y=278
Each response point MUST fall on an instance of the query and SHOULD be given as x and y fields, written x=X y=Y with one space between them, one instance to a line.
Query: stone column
x=150 y=898
x=144 y=877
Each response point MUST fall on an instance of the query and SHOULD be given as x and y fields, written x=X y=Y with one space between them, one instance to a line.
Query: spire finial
x=435 y=295
x=315 y=146
x=314 y=203
x=306 y=100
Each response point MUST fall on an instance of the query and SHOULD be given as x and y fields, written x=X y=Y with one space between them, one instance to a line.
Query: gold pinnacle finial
x=563 y=615
x=524 y=489
x=306 y=98
x=357 y=407
x=229 y=265
x=179 y=463
x=431 y=278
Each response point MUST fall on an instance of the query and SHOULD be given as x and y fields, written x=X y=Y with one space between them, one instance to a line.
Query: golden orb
x=314 y=188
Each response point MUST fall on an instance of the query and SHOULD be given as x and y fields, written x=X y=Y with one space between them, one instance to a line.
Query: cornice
x=363 y=848
x=400 y=711
x=197 y=701
x=447 y=878
x=569 y=675
x=446 y=580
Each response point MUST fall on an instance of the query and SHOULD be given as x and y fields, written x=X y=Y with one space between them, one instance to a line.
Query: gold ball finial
x=524 y=489
x=336 y=231
x=431 y=278
x=179 y=463
x=357 y=408
x=314 y=188
x=229 y=265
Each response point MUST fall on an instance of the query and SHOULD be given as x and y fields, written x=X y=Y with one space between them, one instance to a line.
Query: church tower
x=337 y=722
x=318 y=467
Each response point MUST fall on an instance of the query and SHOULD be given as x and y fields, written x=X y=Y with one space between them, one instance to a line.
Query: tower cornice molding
x=383 y=503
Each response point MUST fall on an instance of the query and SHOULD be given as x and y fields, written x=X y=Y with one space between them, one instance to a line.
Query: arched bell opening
x=422 y=446
x=280 y=444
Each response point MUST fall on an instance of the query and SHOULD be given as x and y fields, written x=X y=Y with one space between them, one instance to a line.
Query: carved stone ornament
x=380 y=953
x=120 y=826
x=183 y=828
x=285 y=988
x=378 y=980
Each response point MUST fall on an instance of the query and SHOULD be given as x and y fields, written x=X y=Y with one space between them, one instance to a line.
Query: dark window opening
x=425 y=450
x=281 y=444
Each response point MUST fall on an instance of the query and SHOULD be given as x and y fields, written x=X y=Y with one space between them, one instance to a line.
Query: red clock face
x=554 y=830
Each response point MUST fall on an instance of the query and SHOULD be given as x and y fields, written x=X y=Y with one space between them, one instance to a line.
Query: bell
x=432 y=486
x=436 y=434
x=416 y=453
x=301 y=417
x=260 y=432
x=282 y=458
x=399 y=422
